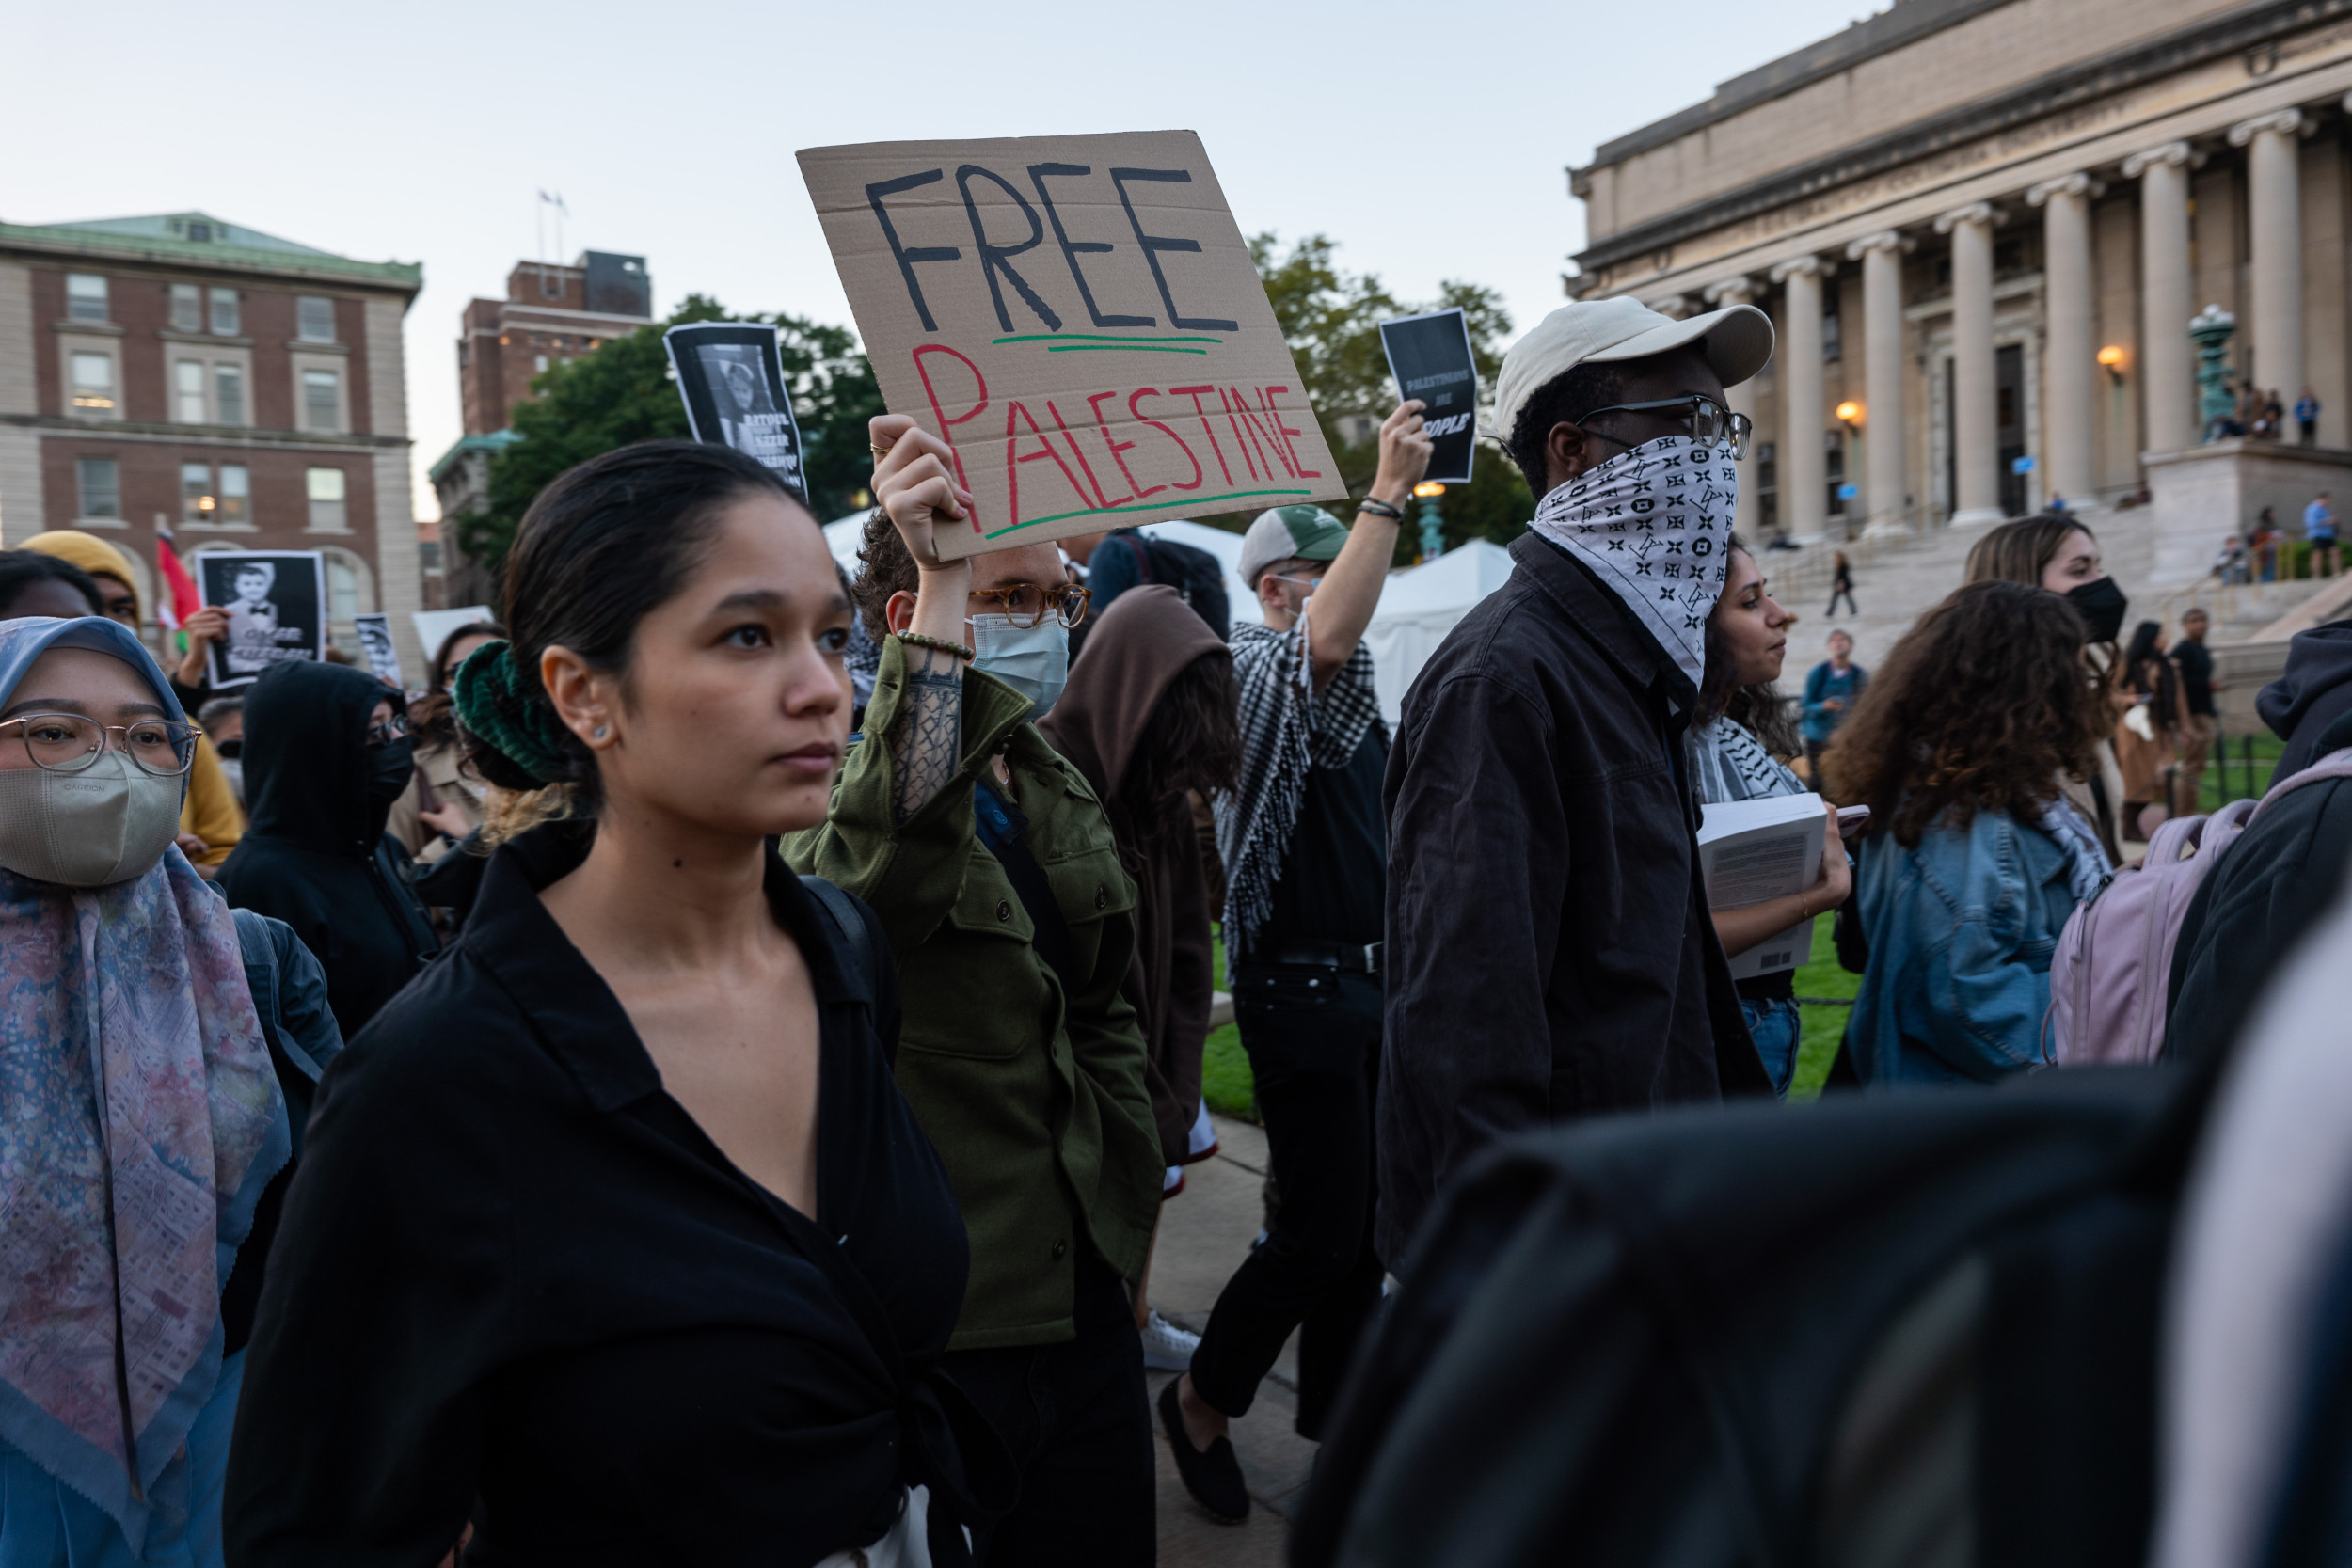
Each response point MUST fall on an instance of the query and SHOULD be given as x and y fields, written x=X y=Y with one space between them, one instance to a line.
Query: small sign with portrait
x=276 y=605
x=375 y=641
x=731 y=375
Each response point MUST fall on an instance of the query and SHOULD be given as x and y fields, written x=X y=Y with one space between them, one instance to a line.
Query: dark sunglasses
x=1708 y=420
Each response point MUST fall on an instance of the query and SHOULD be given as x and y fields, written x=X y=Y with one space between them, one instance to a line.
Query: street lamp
x=1850 y=413
x=2112 y=358
x=1432 y=529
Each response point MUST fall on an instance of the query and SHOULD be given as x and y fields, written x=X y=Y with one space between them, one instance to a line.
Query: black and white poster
x=375 y=641
x=1430 y=357
x=731 y=374
x=276 y=605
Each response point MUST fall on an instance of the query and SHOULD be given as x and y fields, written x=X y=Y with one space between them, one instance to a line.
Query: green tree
x=623 y=392
x=1332 y=320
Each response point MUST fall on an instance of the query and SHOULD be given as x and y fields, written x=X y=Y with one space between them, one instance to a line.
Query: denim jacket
x=1961 y=928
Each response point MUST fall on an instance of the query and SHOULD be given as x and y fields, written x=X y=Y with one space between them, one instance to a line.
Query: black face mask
x=389 y=766
x=2102 y=605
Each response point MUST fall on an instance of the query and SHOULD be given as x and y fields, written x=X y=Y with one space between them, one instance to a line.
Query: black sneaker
x=1213 y=1476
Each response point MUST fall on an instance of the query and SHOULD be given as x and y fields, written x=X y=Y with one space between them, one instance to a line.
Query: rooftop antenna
x=555 y=200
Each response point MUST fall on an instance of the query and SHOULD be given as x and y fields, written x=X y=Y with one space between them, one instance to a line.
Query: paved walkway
x=1205 y=1234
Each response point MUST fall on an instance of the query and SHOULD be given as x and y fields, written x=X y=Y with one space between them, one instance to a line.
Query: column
x=1976 y=436
x=2275 y=225
x=1741 y=291
x=1884 y=433
x=2168 y=375
x=1804 y=470
x=2070 y=370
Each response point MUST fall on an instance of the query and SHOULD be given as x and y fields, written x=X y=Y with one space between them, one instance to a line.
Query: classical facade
x=1981 y=227
x=247 y=392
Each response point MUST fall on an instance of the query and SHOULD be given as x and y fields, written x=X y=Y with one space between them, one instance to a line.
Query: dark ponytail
x=602 y=547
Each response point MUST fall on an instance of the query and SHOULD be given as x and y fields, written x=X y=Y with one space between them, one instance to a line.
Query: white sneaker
x=1166 y=1347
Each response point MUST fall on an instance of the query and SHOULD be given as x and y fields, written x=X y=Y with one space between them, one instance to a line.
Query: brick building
x=249 y=391
x=551 y=314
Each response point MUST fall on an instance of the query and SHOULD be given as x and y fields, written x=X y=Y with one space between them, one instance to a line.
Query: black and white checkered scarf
x=1287 y=727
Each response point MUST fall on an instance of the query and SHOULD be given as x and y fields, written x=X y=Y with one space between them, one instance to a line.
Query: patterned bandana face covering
x=1652 y=523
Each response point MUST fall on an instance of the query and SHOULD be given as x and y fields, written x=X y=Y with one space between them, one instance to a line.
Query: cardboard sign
x=731 y=374
x=277 y=604
x=1430 y=357
x=1079 y=319
x=375 y=641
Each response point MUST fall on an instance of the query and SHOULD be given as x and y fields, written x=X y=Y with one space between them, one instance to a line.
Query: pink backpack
x=2114 y=960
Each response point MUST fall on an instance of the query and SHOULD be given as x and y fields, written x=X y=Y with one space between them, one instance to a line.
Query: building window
x=196 y=502
x=1833 y=465
x=326 y=501
x=236 y=494
x=187 y=391
x=316 y=314
x=94 y=383
x=85 y=296
x=187 y=308
x=318 y=399
x=101 y=486
x=539 y=364
x=228 y=394
x=225 y=315
x=1768 y=487
x=1833 y=326
x=343 y=586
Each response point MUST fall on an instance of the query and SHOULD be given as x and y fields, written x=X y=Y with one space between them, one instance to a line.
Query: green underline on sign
x=1095 y=337
x=1118 y=348
x=1109 y=511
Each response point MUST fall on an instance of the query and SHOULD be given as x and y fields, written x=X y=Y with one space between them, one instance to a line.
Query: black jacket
x=315 y=854
x=2273 y=884
x=2311 y=693
x=1549 y=951
x=517 y=1280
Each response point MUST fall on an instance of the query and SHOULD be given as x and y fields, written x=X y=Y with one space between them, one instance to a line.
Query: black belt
x=1352 y=958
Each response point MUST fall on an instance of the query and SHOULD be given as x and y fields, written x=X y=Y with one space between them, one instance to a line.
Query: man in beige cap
x=1549 y=951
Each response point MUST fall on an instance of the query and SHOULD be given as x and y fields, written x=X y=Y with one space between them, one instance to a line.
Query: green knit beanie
x=494 y=703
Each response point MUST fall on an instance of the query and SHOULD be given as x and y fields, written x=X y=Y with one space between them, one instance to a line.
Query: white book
x=1753 y=850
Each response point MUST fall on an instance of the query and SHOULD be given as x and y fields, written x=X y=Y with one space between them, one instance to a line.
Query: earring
x=599 y=732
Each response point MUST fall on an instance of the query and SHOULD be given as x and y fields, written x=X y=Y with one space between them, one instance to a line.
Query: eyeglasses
x=1028 y=603
x=68 y=743
x=1710 y=420
x=391 y=729
x=1310 y=585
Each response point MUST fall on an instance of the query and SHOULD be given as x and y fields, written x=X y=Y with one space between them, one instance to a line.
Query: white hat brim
x=1737 y=340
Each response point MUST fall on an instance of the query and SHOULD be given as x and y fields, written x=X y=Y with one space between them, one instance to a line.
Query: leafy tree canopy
x=622 y=392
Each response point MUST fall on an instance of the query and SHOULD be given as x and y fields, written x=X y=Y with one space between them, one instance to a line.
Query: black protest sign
x=731 y=374
x=276 y=605
x=375 y=641
x=1430 y=357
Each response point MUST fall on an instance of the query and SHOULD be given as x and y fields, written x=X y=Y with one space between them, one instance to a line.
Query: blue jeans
x=1774 y=1027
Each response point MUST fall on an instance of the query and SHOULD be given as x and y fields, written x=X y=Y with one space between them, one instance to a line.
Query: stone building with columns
x=1981 y=227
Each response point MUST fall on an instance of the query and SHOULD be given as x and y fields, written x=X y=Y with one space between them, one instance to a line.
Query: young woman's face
x=1753 y=628
x=79 y=681
x=2076 y=564
x=736 y=707
x=463 y=650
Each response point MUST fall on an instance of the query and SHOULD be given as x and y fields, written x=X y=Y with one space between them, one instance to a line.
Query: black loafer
x=1213 y=1475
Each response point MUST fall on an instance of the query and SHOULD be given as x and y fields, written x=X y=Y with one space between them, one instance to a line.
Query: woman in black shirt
x=612 y=1236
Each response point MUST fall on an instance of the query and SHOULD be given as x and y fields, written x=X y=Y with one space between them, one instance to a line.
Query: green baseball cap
x=1289 y=534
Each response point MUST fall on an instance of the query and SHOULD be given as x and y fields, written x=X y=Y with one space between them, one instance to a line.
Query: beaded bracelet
x=916 y=640
x=1379 y=509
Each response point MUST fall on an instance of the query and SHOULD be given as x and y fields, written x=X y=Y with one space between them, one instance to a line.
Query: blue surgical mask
x=1033 y=660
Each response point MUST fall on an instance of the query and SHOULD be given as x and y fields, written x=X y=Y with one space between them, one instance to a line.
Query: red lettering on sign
x=1258 y=436
x=1198 y=475
x=1100 y=500
x=1290 y=436
x=1206 y=429
x=1240 y=443
x=946 y=425
x=1094 y=406
x=1013 y=411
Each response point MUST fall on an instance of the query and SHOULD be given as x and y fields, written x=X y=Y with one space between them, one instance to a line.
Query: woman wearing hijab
x=613 y=1234
x=209 y=811
x=327 y=752
x=1976 y=856
x=145 y=1124
x=1149 y=714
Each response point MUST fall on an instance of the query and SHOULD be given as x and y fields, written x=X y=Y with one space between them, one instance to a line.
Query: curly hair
x=1758 y=708
x=1566 y=398
x=1981 y=707
x=1194 y=738
x=884 y=568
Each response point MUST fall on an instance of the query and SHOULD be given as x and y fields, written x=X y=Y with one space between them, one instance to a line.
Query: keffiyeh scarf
x=1287 y=727
x=1652 y=523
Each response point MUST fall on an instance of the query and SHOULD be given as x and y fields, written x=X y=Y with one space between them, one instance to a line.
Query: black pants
x=1079 y=1426
x=1313 y=1038
x=1841 y=590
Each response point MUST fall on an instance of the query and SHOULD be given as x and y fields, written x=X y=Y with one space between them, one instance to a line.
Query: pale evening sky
x=1430 y=141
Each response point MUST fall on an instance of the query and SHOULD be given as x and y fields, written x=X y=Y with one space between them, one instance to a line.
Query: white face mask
x=1033 y=660
x=108 y=823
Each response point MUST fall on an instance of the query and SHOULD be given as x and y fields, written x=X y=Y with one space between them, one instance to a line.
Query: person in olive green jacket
x=998 y=883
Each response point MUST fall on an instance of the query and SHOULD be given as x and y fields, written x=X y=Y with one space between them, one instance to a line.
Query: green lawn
x=2233 y=775
x=1225 y=1081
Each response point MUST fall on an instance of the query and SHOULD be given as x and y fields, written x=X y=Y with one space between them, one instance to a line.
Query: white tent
x=1420 y=605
